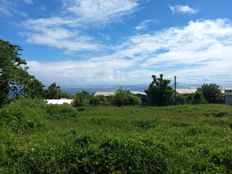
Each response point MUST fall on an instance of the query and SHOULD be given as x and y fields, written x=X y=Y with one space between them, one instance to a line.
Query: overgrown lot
x=40 y=138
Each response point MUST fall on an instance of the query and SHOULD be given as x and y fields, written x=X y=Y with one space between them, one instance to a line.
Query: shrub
x=99 y=100
x=212 y=93
x=198 y=98
x=144 y=99
x=159 y=92
x=25 y=114
x=83 y=154
x=125 y=98
x=56 y=112
x=82 y=99
x=180 y=99
x=223 y=159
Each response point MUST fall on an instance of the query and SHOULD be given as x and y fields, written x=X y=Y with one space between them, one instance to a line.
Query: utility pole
x=175 y=88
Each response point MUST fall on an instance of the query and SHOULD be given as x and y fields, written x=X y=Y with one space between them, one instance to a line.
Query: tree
x=211 y=92
x=13 y=73
x=82 y=99
x=53 y=91
x=33 y=88
x=159 y=92
x=125 y=98
x=198 y=98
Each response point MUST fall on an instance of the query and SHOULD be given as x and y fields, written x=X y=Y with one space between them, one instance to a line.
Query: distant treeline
x=15 y=78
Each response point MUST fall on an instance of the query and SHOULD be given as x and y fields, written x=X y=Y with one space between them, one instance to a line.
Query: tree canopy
x=13 y=74
x=159 y=92
x=211 y=92
x=53 y=92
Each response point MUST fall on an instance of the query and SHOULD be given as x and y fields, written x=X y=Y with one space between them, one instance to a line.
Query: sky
x=118 y=42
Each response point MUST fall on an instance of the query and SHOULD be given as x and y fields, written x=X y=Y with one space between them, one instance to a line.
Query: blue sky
x=102 y=42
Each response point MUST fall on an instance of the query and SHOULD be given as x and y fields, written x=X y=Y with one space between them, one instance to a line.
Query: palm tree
x=53 y=91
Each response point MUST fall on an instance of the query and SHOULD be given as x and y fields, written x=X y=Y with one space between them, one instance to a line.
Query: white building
x=59 y=101
x=104 y=93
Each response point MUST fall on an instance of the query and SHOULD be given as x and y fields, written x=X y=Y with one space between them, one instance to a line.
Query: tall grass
x=175 y=139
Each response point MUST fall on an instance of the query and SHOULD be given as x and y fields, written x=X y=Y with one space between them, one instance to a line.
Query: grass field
x=190 y=133
x=188 y=139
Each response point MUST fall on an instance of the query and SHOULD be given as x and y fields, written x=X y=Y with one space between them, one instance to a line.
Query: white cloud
x=103 y=11
x=64 y=31
x=183 y=9
x=201 y=49
x=53 y=32
x=28 y=1
x=6 y=8
x=145 y=23
x=10 y=9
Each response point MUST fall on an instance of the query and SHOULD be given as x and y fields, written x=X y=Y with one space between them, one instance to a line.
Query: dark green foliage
x=53 y=92
x=58 y=112
x=212 y=93
x=173 y=139
x=159 y=92
x=145 y=125
x=144 y=99
x=67 y=95
x=84 y=154
x=223 y=159
x=24 y=115
x=125 y=98
x=181 y=99
x=198 y=98
x=13 y=74
x=32 y=88
x=112 y=155
x=10 y=65
x=82 y=99
x=99 y=101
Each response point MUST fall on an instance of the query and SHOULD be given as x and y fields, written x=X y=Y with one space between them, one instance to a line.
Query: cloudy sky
x=102 y=42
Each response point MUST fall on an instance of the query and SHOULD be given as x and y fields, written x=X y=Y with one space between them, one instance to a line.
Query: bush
x=198 y=98
x=144 y=99
x=56 y=112
x=212 y=93
x=23 y=115
x=125 y=98
x=223 y=159
x=180 y=99
x=99 y=100
x=82 y=99
x=159 y=92
x=85 y=154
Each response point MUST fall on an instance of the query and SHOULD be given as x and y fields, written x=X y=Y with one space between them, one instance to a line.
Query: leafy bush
x=56 y=112
x=144 y=99
x=223 y=159
x=159 y=92
x=25 y=114
x=212 y=93
x=198 y=98
x=82 y=99
x=85 y=154
x=180 y=99
x=125 y=98
x=99 y=100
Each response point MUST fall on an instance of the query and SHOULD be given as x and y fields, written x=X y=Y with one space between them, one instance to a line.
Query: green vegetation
x=53 y=92
x=121 y=98
x=40 y=138
x=14 y=76
x=159 y=92
x=125 y=98
x=24 y=115
x=212 y=93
